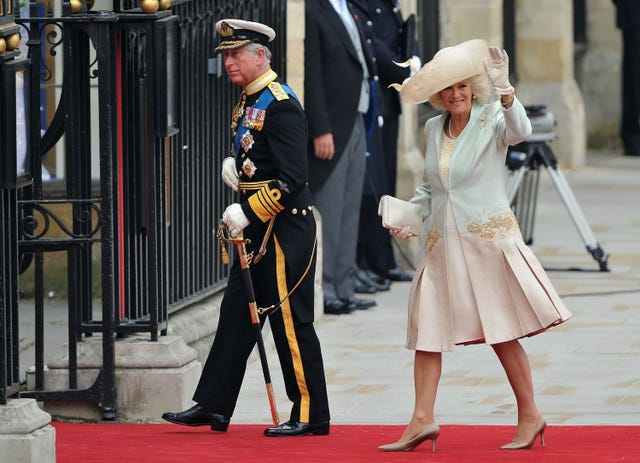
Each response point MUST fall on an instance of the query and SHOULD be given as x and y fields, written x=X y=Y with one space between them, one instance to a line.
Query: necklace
x=450 y=132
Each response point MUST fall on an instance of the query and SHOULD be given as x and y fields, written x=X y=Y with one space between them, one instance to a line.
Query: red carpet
x=159 y=443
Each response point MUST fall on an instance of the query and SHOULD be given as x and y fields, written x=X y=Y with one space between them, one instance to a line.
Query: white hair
x=253 y=47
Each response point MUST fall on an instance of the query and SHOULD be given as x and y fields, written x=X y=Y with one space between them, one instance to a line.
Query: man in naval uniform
x=268 y=167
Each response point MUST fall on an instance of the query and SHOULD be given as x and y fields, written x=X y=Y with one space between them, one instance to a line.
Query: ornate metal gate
x=142 y=124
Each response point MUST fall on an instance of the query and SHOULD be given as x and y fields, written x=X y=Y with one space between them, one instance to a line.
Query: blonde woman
x=478 y=282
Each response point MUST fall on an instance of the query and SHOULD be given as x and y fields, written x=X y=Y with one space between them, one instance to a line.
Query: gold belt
x=245 y=187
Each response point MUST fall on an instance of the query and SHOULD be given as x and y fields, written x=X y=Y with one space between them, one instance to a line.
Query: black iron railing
x=161 y=101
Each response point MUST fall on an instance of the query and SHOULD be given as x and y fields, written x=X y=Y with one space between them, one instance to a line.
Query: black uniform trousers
x=297 y=343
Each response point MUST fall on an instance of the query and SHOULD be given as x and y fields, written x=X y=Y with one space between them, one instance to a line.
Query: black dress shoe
x=198 y=416
x=359 y=304
x=295 y=428
x=336 y=307
x=631 y=151
x=364 y=278
x=363 y=288
x=395 y=274
x=382 y=283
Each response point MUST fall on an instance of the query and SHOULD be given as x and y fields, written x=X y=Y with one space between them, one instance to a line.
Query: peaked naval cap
x=236 y=33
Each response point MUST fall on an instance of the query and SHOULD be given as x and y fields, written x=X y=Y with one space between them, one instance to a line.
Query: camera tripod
x=524 y=161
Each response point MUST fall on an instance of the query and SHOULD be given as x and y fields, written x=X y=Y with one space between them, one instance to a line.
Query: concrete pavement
x=586 y=371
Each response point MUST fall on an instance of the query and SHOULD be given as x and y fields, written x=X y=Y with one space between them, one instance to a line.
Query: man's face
x=243 y=65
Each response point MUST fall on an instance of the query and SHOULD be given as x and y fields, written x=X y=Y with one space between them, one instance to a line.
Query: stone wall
x=597 y=70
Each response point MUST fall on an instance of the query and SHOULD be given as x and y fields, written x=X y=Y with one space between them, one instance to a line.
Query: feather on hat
x=448 y=66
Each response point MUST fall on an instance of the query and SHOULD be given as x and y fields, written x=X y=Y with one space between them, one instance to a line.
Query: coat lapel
x=336 y=23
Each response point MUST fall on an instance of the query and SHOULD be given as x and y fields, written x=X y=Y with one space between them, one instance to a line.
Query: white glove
x=403 y=234
x=229 y=174
x=416 y=64
x=234 y=218
x=498 y=71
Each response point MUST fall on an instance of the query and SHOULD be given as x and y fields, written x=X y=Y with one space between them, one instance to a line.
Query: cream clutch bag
x=397 y=214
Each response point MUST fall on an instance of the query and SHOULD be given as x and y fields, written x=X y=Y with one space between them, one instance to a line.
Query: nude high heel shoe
x=431 y=432
x=539 y=431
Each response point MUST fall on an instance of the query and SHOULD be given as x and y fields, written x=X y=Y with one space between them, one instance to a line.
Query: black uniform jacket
x=388 y=26
x=272 y=166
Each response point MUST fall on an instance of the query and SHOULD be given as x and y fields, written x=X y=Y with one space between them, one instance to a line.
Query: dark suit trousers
x=390 y=146
x=338 y=201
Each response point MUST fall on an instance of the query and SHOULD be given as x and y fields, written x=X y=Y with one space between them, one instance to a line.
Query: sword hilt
x=224 y=234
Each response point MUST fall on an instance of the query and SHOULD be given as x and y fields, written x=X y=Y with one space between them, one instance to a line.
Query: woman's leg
x=515 y=362
x=426 y=371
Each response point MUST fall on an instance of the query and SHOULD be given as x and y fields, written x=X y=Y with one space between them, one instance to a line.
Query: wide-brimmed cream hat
x=448 y=66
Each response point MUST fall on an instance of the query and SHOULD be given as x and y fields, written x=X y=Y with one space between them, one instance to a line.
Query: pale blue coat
x=506 y=283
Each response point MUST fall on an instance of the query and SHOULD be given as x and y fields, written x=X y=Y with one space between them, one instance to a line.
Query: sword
x=240 y=242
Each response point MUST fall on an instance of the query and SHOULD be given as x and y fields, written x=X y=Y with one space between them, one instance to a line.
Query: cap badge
x=226 y=30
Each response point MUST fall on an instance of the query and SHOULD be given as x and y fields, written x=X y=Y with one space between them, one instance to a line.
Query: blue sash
x=262 y=103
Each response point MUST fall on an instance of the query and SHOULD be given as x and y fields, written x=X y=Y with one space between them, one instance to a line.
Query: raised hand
x=498 y=71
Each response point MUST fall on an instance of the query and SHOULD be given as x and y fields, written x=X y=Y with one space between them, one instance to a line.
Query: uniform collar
x=261 y=82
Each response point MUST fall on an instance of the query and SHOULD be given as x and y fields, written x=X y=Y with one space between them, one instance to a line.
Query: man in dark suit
x=628 y=20
x=385 y=26
x=268 y=166
x=337 y=73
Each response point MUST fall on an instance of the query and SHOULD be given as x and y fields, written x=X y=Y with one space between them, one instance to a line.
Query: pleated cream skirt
x=469 y=290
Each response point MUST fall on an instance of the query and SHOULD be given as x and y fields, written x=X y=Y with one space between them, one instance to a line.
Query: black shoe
x=631 y=151
x=381 y=283
x=359 y=304
x=336 y=307
x=198 y=416
x=364 y=288
x=395 y=274
x=295 y=428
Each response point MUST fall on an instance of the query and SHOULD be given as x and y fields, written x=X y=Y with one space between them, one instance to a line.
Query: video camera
x=543 y=126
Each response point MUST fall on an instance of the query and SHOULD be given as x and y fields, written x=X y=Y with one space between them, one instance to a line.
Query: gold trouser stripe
x=287 y=317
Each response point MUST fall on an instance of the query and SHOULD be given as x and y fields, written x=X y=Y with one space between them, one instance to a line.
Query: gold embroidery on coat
x=495 y=227
x=432 y=238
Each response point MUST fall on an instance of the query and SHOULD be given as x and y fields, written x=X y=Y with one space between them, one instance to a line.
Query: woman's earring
x=473 y=97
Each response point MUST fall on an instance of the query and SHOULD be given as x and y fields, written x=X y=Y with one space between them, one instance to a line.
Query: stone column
x=26 y=435
x=544 y=46
x=295 y=46
x=597 y=71
x=462 y=20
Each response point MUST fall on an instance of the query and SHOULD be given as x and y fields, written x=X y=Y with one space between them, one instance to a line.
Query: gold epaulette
x=278 y=92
